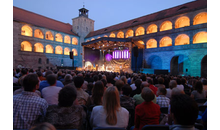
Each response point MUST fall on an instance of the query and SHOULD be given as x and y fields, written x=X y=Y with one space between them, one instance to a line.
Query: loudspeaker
x=71 y=55
x=135 y=51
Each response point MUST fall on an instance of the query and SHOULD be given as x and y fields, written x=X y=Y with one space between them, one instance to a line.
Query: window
x=26 y=46
x=166 y=25
x=200 y=18
x=182 y=39
x=182 y=22
x=165 y=41
x=152 y=43
x=152 y=28
x=139 y=31
x=26 y=31
x=39 y=61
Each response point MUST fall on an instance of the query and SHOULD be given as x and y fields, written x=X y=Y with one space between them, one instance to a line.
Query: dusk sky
x=105 y=13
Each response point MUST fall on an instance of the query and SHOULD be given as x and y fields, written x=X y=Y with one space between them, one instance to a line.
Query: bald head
x=144 y=84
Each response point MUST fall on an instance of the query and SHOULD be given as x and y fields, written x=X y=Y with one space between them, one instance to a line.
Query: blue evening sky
x=104 y=12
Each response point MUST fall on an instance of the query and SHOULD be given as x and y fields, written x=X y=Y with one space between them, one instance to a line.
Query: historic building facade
x=174 y=39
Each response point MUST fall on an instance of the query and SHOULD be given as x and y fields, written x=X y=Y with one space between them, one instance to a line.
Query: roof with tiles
x=191 y=6
x=41 y=21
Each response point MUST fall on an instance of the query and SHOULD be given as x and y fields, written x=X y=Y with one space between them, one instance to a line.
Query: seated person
x=198 y=93
x=44 y=83
x=82 y=96
x=184 y=111
x=66 y=115
x=50 y=93
x=147 y=113
x=125 y=100
x=160 y=83
x=162 y=100
x=172 y=84
x=110 y=114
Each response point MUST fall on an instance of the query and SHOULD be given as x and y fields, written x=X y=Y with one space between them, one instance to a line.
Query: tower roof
x=83 y=12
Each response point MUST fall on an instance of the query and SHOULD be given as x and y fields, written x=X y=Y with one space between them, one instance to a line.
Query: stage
x=109 y=54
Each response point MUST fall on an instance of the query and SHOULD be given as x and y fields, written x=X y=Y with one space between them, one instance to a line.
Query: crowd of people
x=70 y=99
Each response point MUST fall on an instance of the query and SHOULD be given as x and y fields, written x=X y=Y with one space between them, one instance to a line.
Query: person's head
x=78 y=81
x=48 y=72
x=51 y=79
x=161 y=91
x=95 y=78
x=67 y=96
x=160 y=80
x=124 y=79
x=24 y=71
x=39 y=74
x=68 y=78
x=104 y=77
x=104 y=81
x=184 y=109
x=111 y=103
x=147 y=94
x=199 y=86
x=150 y=81
x=144 y=84
x=138 y=83
x=109 y=78
x=143 y=78
x=176 y=91
x=97 y=92
x=43 y=126
x=178 y=81
x=119 y=84
x=17 y=70
x=126 y=90
x=172 y=84
x=30 y=82
x=90 y=86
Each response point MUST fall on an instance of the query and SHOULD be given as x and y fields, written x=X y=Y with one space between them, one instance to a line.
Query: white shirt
x=133 y=86
x=181 y=87
x=15 y=80
x=98 y=117
x=50 y=94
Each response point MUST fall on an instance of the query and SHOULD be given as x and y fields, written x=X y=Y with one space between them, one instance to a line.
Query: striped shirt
x=163 y=101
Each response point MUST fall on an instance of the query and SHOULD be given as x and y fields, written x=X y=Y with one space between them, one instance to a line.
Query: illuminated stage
x=109 y=54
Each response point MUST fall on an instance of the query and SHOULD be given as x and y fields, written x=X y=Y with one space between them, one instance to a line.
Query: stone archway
x=176 y=65
x=154 y=62
x=204 y=67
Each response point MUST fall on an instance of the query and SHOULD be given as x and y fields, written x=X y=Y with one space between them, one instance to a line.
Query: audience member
x=40 y=76
x=82 y=96
x=66 y=115
x=133 y=83
x=50 y=93
x=198 y=93
x=184 y=111
x=68 y=79
x=172 y=85
x=151 y=86
x=109 y=81
x=179 y=84
x=147 y=112
x=162 y=100
x=119 y=84
x=160 y=82
x=125 y=100
x=33 y=108
x=138 y=88
x=43 y=126
x=15 y=80
x=97 y=94
x=110 y=114
x=124 y=79
x=89 y=88
x=44 y=83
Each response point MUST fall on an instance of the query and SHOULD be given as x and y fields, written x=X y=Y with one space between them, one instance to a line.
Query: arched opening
x=74 y=52
x=200 y=18
x=59 y=37
x=120 y=34
x=38 y=34
x=151 y=43
x=49 y=49
x=166 y=25
x=154 y=62
x=92 y=39
x=141 y=42
x=165 y=41
x=139 y=31
x=66 y=51
x=26 y=31
x=182 y=39
x=152 y=28
x=129 y=33
x=26 y=46
x=105 y=36
x=49 y=36
x=67 y=39
x=182 y=22
x=176 y=65
x=200 y=37
x=204 y=67
x=112 y=35
x=58 y=50
x=38 y=47
x=74 y=41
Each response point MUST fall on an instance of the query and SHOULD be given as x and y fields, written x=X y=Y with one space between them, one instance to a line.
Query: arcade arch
x=182 y=22
x=26 y=46
x=49 y=49
x=38 y=47
x=66 y=51
x=139 y=31
x=67 y=39
x=26 y=31
x=152 y=28
x=182 y=39
x=200 y=18
x=38 y=34
x=120 y=34
x=59 y=38
x=165 y=41
x=129 y=33
x=151 y=43
x=58 y=50
x=49 y=36
x=166 y=25
x=74 y=41
x=200 y=37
